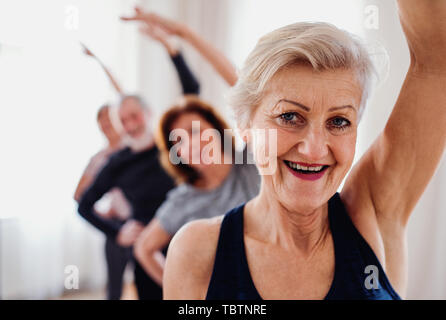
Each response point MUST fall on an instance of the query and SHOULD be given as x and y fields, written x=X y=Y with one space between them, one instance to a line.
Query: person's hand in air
x=158 y=34
x=171 y=27
x=87 y=51
x=174 y=28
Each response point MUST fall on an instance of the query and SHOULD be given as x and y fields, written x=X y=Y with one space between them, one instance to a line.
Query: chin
x=305 y=195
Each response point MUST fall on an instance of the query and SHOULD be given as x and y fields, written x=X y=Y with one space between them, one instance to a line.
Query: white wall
x=50 y=93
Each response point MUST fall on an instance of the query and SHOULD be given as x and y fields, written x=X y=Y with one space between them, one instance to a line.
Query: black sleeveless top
x=355 y=262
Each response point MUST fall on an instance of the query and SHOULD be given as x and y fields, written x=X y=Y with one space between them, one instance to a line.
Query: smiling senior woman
x=299 y=238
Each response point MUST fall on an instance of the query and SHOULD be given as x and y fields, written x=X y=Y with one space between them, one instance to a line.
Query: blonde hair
x=319 y=44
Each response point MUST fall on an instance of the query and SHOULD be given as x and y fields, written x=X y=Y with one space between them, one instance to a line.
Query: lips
x=304 y=171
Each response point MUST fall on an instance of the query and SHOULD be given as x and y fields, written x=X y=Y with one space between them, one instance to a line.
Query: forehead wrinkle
x=315 y=93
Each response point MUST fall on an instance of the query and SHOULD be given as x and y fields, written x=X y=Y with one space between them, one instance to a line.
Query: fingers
x=130 y=232
x=155 y=20
x=139 y=15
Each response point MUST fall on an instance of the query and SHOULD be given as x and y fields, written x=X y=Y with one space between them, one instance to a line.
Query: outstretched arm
x=220 y=63
x=398 y=166
x=188 y=81
x=107 y=72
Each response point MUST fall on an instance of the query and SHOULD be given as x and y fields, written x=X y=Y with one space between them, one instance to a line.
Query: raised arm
x=398 y=166
x=189 y=82
x=106 y=70
x=83 y=184
x=217 y=59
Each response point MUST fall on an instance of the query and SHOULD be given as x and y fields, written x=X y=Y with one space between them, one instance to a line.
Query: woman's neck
x=293 y=230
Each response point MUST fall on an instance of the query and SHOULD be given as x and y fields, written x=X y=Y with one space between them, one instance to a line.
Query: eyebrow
x=300 y=105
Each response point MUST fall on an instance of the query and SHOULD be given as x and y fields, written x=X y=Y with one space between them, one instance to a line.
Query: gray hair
x=322 y=45
x=138 y=98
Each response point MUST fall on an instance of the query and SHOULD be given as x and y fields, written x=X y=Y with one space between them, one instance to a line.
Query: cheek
x=343 y=149
x=141 y=119
x=285 y=141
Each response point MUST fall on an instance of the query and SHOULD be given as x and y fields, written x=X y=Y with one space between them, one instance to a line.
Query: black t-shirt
x=140 y=177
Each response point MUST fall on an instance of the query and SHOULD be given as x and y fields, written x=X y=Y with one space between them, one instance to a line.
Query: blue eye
x=288 y=116
x=339 y=123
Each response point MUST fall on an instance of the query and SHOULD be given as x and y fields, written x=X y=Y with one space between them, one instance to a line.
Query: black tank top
x=355 y=262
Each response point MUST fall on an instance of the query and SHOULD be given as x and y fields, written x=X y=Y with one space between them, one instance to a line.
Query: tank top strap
x=230 y=277
x=354 y=258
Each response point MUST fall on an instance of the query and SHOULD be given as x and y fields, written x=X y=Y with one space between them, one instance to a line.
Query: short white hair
x=321 y=45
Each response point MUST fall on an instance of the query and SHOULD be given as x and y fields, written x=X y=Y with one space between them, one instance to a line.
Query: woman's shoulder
x=190 y=259
x=198 y=236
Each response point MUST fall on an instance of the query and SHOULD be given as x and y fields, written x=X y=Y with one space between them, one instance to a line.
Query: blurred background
x=50 y=93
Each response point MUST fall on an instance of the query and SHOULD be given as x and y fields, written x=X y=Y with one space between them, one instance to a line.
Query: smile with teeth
x=303 y=169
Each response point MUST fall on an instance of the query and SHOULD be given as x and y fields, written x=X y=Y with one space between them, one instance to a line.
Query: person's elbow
x=83 y=207
x=143 y=249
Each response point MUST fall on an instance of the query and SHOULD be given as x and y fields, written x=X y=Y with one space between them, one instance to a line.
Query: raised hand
x=158 y=34
x=169 y=26
x=107 y=72
x=87 y=51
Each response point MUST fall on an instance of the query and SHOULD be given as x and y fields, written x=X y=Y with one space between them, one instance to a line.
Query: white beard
x=141 y=143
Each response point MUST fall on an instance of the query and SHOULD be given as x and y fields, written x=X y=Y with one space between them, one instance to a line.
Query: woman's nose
x=314 y=145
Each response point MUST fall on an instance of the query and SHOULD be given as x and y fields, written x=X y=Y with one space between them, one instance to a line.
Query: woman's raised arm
x=216 y=58
x=107 y=72
x=398 y=166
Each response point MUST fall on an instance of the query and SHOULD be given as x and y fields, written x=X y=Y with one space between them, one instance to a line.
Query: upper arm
x=189 y=82
x=385 y=185
x=214 y=56
x=190 y=260
x=405 y=156
x=83 y=184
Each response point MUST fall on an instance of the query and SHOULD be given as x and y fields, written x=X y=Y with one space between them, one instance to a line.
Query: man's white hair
x=322 y=45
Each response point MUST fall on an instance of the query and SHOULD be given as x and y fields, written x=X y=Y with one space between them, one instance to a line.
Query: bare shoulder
x=190 y=259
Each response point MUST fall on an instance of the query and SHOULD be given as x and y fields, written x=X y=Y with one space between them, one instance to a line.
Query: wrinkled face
x=315 y=115
x=107 y=127
x=193 y=142
x=132 y=116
